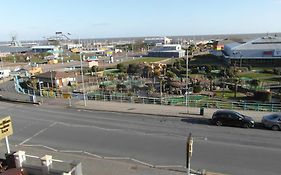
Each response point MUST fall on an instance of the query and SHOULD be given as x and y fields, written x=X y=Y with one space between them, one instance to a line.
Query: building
x=157 y=40
x=7 y=50
x=261 y=51
x=167 y=51
x=56 y=78
x=41 y=49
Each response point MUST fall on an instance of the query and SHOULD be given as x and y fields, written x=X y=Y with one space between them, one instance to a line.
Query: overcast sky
x=35 y=19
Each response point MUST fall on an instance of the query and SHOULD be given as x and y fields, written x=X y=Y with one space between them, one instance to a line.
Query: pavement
x=102 y=166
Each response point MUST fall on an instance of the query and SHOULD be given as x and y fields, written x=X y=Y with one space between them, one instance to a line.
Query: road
x=153 y=140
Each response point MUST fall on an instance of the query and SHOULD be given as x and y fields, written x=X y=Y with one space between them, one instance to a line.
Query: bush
x=197 y=89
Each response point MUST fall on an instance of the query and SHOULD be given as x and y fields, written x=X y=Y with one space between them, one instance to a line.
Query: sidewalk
x=157 y=110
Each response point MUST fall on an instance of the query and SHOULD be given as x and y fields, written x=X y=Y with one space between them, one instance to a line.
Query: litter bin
x=201 y=111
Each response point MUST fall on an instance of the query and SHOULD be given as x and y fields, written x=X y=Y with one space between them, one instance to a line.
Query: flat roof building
x=168 y=51
x=265 y=50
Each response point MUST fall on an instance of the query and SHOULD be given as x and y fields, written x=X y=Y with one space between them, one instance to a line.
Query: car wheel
x=275 y=128
x=218 y=123
x=246 y=125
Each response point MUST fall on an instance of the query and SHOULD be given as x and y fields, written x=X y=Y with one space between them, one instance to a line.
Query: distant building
x=56 y=78
x=157 y=40
x=168 y=51
x=41 y=49
x=261 y=51
x=7 y=50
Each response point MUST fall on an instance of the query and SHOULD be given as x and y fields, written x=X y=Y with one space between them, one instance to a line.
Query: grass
x=228 y=95
x=256 y=75
x=146 y=59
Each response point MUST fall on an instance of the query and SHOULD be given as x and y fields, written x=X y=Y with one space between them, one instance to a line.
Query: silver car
x=272 y=121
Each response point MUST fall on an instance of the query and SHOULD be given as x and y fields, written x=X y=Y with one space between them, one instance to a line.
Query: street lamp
x=186 y=85
x=82 y=75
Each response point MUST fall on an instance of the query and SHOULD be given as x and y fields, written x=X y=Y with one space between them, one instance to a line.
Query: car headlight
x=252 y=122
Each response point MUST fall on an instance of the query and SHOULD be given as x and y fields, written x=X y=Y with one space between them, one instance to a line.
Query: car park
x=272 y=121
x=232 y=118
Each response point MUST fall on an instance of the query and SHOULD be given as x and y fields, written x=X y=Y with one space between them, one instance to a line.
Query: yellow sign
x=6 y=128
x=66 y=96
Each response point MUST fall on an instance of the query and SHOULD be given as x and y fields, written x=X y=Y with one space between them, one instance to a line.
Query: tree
x=133 y=69
x=121 y=67
x=254 y=83
x=170 y=74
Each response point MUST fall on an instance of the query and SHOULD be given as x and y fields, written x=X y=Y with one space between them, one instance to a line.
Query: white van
x=4 y=73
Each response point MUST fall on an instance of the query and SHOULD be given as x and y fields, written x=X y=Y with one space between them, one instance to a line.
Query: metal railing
x=269 y=107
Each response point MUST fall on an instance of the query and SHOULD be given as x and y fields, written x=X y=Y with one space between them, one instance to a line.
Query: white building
x=167 y=50
x=157 y=40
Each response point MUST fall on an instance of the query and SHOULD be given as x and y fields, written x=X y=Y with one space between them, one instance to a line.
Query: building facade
x=261 y=51
x=167 y=51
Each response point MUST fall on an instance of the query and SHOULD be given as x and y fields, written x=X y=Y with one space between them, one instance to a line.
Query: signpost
x=6 y=130
x=189 y=147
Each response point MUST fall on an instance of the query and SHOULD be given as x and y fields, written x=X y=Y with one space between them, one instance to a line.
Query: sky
x=36 y=19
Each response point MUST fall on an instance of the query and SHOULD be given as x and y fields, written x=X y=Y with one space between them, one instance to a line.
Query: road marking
x=143 y=163
x=71 y=151
x=106 y=158
x=39 y=132
x=117 y=158
x=94 y=155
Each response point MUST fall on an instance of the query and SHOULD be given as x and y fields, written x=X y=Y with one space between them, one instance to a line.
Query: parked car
x=272 y=121
x=232 y=118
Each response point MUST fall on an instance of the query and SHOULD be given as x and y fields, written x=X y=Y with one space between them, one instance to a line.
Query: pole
x=189 y=145
x=186 y=86
x=83 y=85
x=7 y=145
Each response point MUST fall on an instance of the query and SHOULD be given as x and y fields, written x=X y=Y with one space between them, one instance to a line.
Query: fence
x=270 y=107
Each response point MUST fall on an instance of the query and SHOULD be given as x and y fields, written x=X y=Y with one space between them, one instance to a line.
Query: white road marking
x=106 y=158
x=39 y=132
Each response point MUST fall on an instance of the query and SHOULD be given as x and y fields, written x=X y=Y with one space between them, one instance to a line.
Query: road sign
x=66 y=96
x=6 y=128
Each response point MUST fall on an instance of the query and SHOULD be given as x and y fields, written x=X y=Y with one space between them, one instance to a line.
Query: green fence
x=192 y=102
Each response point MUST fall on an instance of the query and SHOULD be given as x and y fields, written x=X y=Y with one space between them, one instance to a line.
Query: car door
x=236 y=120
x=279 y=121
x=227 y=119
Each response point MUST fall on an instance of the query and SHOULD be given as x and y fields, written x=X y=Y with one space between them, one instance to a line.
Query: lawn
x=255 y=75
x=145 y=59
x=228 y=95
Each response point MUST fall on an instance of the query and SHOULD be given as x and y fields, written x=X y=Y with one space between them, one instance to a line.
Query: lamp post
x=82 y=75
x=186 y=85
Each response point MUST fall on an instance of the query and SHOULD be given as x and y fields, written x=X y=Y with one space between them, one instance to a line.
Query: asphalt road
x=154 y=140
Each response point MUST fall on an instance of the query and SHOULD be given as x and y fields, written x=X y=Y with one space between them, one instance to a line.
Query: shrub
x=197 y=89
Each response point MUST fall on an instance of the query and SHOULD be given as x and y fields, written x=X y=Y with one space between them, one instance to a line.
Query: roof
x=43 y=47
x=264 y=43
x=9 y=49
x=56 y=75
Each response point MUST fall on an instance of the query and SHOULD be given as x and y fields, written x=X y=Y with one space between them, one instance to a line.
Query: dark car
x=232 y=118
x=272 y=121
